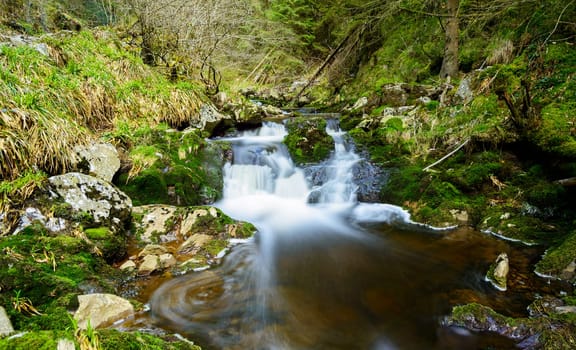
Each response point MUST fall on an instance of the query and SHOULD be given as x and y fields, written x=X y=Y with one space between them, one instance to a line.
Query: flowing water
x=327 y=272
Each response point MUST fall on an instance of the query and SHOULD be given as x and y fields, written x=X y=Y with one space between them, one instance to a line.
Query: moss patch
x=307 y=140
x=171 y=167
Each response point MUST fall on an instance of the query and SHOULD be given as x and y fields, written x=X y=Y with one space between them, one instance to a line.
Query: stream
x=325 y=271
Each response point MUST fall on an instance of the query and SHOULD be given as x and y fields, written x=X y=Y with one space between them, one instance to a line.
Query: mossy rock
x=307 y=140
x=177 y=168
x=111 y=245
x=555 y=331
x=557 y=258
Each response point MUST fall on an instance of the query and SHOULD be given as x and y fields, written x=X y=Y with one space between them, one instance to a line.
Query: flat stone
x=197 y=240
x=101 y=310
x=153 y=249
x=565 y=309
x=65 y=344
x=128 y=265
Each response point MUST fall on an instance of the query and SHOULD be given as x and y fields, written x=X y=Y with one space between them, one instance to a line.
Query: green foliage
x=113 y=339
x=44 y=340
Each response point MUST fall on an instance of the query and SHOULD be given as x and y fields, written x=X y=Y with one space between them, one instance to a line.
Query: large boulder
x=106 y=205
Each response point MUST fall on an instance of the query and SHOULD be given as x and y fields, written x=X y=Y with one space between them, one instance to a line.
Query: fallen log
x=571 y=181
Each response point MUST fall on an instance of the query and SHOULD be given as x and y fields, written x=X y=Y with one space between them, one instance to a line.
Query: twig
x=446 y=156
x=558 y=21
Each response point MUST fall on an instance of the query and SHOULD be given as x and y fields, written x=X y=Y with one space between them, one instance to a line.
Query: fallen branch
x=446 y=156
x=571 y=181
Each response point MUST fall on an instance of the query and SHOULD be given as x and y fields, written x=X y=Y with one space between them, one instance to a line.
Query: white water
x=263 y=185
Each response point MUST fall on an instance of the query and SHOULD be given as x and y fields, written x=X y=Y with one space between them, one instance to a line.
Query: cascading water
x=323 y=271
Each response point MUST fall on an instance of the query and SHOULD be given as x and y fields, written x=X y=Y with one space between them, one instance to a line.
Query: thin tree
x=450 y=60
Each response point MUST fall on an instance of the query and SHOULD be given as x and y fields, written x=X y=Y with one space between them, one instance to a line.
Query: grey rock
x=149 y=264
x=108 y=205
x=102 y=158
x=65 y=344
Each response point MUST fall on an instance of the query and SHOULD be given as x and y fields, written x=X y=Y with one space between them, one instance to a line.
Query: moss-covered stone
x=172 y=167
x=550 y=332
x=108 y=339
x=558 y=258
x=307 y=140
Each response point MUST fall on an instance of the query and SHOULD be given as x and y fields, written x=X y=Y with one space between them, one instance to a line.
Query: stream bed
x=325 y=271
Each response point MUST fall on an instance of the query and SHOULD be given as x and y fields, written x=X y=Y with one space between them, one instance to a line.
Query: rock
x=5 y=324
x=220 y=99
x=150 y=263
x=32 y=215
x=460 y=215
x=65 y=344
x=197 y=240
x=394 y=95
x=102 y=310
x=102 y=158
x=464 y=93
x=569 y=271
x=209 y=119
x=155 y=220
x=128 y=265
x=191 y=218
x=360 y=103
x=498 y=273
x=153 y=249
x=544 y=306
x=87 y=194
x=167 y=260
x=565 y=309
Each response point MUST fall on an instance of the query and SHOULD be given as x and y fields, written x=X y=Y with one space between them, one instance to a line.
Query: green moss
x=307 y=140
x=98 y=233
x=45 y=340
x=215 y=246
x=111 y=339
x=48 y=271
x=175 y=168
x=558 y=257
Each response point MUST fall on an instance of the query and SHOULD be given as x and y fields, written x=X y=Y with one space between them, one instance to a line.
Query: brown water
x=380 y=288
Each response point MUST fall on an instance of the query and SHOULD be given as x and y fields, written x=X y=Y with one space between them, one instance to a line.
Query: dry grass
x=503 y=53
x=30 y=139
x=178 y=108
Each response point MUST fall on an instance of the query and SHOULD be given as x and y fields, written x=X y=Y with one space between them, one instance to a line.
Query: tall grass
x=86 y=85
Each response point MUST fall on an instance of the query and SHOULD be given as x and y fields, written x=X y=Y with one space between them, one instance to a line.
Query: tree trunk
x=450 y=61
